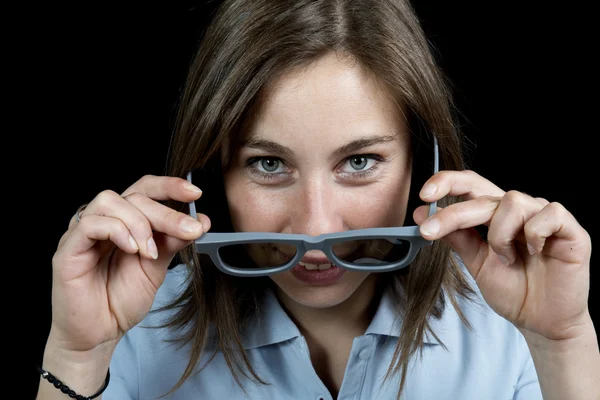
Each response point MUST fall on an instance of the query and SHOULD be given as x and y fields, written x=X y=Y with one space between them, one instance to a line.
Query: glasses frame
x=210 y=243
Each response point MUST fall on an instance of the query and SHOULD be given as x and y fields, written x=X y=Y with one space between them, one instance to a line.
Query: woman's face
x=328 y=152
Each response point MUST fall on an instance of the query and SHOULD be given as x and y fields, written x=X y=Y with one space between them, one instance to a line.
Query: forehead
x=330 y=98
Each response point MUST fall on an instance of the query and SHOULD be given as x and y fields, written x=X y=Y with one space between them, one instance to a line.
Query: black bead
x=64 y=389
x=51 y=378
x=72 y=394
x=57 y=383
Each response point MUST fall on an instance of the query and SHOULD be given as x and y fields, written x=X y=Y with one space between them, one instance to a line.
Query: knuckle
x=471 y=174
x=106 y=196
x=542 y=201
x=557 y=208
x=103 y=201
x=146 y=179
x=173 y=216
x=57 y=259
x=513 y=195
x=443 y=174
x=531 y=230
x=513 y=199
x=141 y=226
x=499 y=241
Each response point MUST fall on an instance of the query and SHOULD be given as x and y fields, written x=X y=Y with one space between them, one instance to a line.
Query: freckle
x=571 y=248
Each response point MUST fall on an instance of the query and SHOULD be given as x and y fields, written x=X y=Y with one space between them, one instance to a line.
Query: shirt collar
x=271 y=324
x=387 y=322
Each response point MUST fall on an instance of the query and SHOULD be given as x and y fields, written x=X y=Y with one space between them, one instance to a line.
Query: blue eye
x=267 y=168
x=269 y=164
x=360 y=163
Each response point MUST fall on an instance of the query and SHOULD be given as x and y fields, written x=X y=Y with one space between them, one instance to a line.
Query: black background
x=97 y=87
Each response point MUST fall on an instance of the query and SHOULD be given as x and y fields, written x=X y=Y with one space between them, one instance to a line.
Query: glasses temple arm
x=192 y=204
x=436 y=168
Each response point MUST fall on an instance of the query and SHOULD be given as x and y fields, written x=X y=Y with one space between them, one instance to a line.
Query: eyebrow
x=352 y=147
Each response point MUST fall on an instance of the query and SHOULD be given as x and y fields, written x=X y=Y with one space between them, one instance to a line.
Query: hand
x=534 y=268
x=109 y=265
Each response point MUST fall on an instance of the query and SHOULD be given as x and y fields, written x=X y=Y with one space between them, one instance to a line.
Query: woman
x=316 y=118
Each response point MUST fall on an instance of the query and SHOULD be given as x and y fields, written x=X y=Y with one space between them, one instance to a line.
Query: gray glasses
x=253 y=254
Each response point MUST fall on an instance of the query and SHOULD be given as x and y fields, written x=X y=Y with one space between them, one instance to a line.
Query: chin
x=319 y=296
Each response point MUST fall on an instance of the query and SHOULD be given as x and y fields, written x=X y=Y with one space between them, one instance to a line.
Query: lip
x=316 y=277
x=315 y=260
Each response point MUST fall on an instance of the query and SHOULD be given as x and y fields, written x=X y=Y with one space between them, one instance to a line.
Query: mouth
x=316 y=266
x=322 y=273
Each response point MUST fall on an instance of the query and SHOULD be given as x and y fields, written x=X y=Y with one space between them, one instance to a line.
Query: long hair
x=247 y=46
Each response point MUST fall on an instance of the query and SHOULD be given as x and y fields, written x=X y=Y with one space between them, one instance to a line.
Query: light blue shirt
x=491 y=362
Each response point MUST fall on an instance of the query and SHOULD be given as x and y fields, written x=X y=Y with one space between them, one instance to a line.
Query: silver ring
x=79 y=211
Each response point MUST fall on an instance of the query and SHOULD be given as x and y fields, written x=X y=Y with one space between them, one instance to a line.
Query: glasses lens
x=257 y=255
x=381 y=251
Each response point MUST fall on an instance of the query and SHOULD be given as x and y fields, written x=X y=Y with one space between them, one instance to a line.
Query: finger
x=96 y=228
x=467 y=243
x=458 y=183
x=555 y=221
x=463 y=215
x=205 y=221
x=167 y=220
x=142 y=216
x=514 y=210
x=164 y=188
x=110 y=204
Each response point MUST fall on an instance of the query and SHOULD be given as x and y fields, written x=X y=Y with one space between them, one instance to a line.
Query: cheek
x=253 y=208
x=383 y=204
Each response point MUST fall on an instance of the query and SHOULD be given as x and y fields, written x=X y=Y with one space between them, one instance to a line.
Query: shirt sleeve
x=528 y=385
x=124 y=372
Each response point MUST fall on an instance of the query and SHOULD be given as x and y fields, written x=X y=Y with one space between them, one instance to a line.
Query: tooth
x=310 y=267
x=324 y=266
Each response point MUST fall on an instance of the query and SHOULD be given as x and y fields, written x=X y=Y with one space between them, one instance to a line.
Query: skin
x=533 y=270
x=314 y=188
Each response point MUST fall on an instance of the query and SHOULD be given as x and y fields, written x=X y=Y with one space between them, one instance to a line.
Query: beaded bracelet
x=69 y=392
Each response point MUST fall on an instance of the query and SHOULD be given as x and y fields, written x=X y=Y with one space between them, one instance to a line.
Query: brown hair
x=247 y=46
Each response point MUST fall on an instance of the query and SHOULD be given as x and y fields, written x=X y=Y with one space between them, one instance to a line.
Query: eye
x=268 y=165
x=267 y=168
x=359 y=163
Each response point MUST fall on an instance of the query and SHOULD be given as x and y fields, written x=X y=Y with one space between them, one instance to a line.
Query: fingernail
x=133 y=243
x=192 y=188
x=430 y=227
x=530 y=249
x=503 y=259
x=152 y=250
x=190 y=225
x=428 y=190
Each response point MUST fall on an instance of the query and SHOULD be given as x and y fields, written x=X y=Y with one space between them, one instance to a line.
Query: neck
x=351 y=316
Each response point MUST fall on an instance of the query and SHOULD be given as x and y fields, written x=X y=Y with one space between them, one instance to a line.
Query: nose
x=318 y=208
